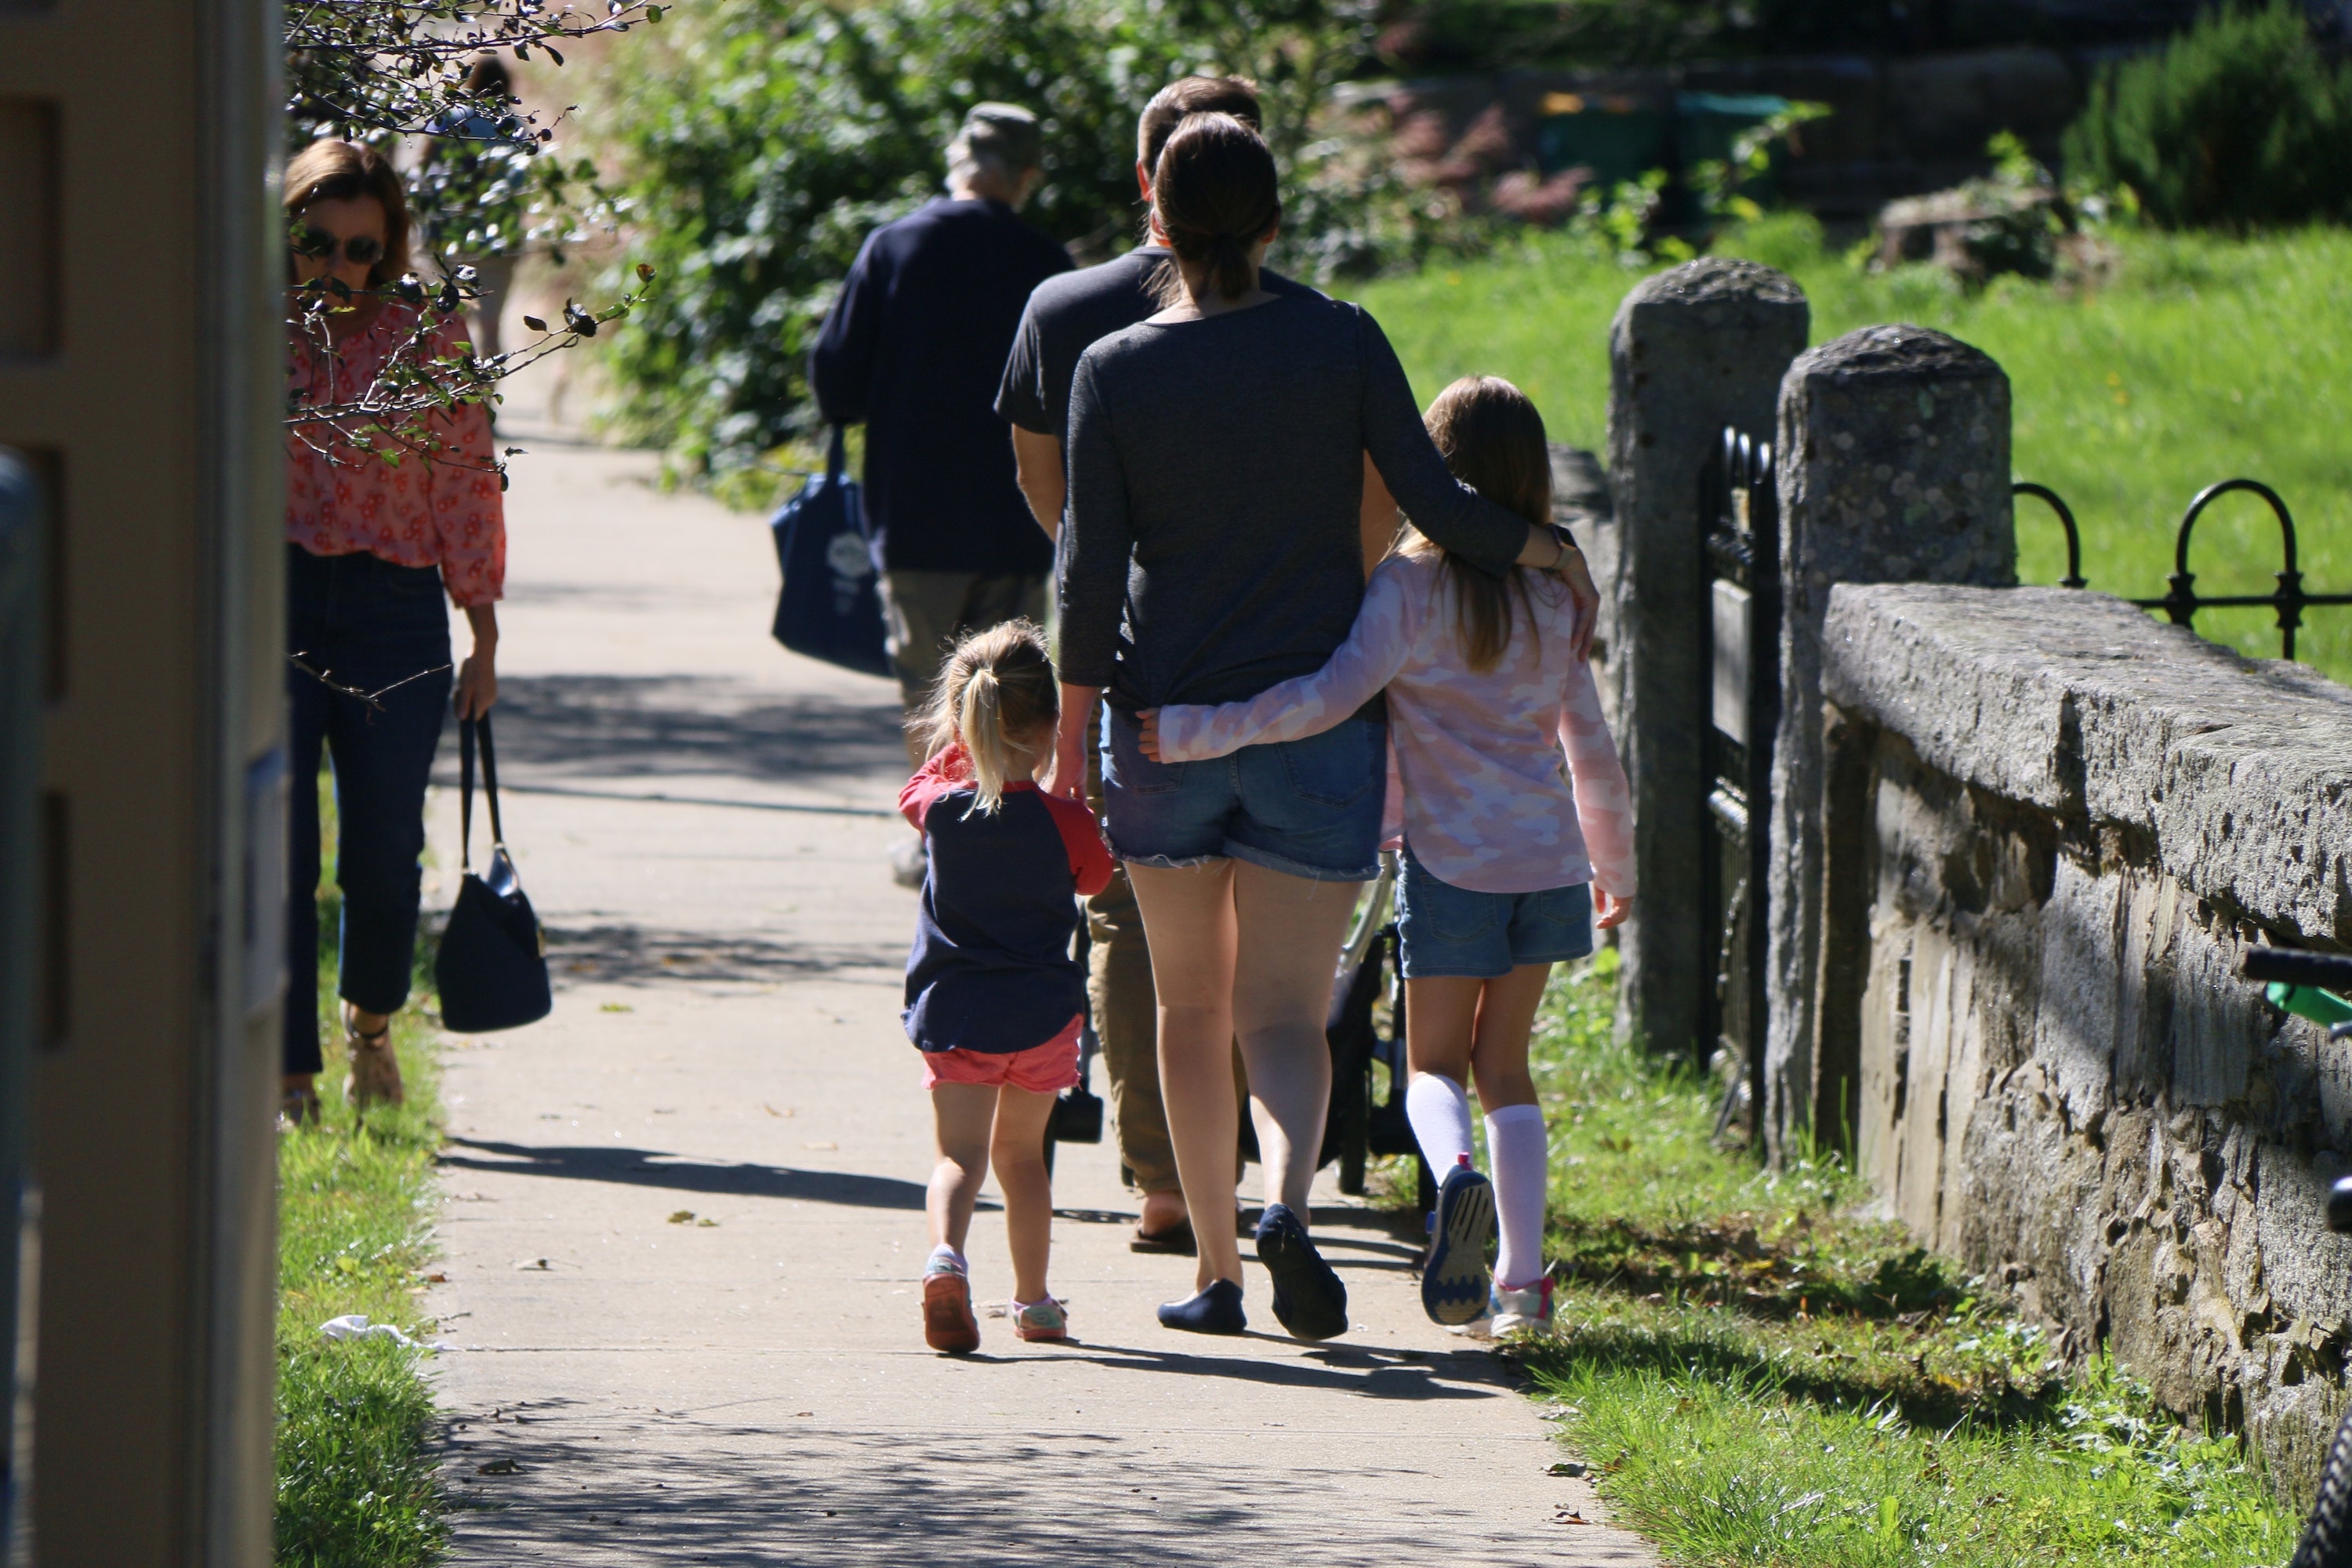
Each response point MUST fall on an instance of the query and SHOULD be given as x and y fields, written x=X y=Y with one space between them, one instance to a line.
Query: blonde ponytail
x=995 y=697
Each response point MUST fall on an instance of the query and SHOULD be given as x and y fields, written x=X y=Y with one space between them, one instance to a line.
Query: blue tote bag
x=830 y=606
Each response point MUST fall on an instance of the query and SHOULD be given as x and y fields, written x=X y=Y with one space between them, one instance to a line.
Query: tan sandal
x=375 y=1067
x=298 y=1106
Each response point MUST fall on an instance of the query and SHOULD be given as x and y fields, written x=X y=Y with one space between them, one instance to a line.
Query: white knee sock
x=1439 y=1109
x=1521 y=1149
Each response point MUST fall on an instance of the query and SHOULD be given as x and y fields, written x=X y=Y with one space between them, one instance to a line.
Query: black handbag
x=830 y=606
x=492 y=967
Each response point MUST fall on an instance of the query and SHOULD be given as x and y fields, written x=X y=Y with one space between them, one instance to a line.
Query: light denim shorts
x=1310 y=808
x=1446 y=930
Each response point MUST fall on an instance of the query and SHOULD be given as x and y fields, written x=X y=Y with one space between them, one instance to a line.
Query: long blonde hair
x=1493 y=439
x=996 y=690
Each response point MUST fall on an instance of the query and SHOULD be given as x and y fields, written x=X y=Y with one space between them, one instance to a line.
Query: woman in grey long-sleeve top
x=1212 y=550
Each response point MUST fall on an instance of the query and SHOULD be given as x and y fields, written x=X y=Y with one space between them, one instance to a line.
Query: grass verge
x=356 y=1488
x=2200 y=359
x=1761 y=1373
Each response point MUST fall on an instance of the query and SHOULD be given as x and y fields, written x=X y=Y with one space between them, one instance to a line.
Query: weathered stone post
x=1894 y=467
x=1692 y=350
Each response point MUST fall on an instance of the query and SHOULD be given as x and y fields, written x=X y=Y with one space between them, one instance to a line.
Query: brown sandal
x=296 y=1107
x=375 y=1067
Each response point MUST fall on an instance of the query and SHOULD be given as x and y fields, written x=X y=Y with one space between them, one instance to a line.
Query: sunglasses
x=361 y=249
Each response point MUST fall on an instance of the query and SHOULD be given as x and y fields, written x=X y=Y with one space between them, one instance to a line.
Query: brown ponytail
x=1215 y=196
x=1493 y=439
x=996 y=697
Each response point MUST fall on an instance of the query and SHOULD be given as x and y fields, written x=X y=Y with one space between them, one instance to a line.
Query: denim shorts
x=1308 y=809
x=1446 y=930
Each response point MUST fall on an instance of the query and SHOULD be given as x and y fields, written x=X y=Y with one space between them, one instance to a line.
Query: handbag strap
x=465 y=795
x=465 y=728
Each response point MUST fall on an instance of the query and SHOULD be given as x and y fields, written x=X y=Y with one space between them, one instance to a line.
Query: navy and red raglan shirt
x=990 y=969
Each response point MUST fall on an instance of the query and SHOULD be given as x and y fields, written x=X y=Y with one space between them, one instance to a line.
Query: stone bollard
x=1894 y=467
x=1692 y=351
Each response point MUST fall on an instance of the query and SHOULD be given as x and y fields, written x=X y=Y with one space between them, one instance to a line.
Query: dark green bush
x=2239 y=123
x=759 y=141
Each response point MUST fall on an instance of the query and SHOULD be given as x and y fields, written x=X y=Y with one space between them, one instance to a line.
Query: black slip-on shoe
x=1310 y=1300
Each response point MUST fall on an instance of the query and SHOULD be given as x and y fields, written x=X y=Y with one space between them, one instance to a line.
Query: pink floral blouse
x=417 y=512
x=1488 y=805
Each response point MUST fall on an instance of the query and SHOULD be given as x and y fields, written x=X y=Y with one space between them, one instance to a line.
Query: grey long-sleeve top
x=1216 y=476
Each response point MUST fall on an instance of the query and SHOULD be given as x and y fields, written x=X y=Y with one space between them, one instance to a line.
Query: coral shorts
x=1048 y=1068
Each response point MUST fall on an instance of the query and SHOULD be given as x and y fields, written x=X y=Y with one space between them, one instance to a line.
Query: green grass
x=2200 y=359
x=356 y=1488
x=1763 y=1375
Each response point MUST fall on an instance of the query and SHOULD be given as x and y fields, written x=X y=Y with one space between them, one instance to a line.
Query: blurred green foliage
x=758 y=142
x=2241 y=122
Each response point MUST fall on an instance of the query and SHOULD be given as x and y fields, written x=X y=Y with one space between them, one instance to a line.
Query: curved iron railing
x=2181 y=601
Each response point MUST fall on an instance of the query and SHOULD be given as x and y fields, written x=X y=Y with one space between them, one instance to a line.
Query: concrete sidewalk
x=684 y=1214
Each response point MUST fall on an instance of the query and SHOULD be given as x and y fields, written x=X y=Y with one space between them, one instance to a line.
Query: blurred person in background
x=913 y=349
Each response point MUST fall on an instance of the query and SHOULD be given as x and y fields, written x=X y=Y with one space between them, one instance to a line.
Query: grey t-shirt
x=1067 y=316
x=1216 y=475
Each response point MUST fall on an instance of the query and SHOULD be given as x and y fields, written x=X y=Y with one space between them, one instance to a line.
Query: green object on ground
x=2202 y=358
x=1761 y=1373
x=356 y=1488
x=2310 y=1002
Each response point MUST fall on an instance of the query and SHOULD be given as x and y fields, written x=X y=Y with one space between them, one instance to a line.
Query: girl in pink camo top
x=1507 y=852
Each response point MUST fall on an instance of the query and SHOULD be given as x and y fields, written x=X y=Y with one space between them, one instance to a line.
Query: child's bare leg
x=961 y=1115
x=1019 y=1151
x=1506 y=1016
x=1441 y=1020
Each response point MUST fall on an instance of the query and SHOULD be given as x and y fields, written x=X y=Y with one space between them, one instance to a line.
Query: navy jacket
x=913 y=350
x=990 y=969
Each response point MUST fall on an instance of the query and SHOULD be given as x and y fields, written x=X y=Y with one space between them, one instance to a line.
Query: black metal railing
x=2181 y=601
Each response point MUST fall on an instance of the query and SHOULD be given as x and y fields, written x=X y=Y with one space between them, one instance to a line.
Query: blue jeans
x=367 y=624
x=1308 y=809
x=1446 y=930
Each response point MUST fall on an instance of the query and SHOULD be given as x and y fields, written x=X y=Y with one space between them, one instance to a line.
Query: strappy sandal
x=296 y=1107
x=375 y=1068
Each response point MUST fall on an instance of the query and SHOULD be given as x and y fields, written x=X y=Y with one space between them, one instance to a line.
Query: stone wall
x=2053 y=825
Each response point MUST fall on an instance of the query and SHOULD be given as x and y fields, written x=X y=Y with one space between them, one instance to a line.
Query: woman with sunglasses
x=378 y=526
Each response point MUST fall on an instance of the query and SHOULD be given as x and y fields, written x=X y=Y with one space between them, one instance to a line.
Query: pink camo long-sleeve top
x=341 y=499
x=1487 y=805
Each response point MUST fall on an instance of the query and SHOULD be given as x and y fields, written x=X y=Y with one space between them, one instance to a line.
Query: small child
x=995 y=1000
x=1507 y=854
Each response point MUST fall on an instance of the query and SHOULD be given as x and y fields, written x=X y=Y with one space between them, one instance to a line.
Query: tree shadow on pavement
x=680 y=1488
x=613 y=726
x=633 y=954
x=655 y=1168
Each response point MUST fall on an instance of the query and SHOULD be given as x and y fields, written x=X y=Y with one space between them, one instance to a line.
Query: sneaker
x=1310 y=1300
x=910 y=861
x=1048 y=1321
x=947 y=1322
x=1455 y=1282
x=1526 y=1311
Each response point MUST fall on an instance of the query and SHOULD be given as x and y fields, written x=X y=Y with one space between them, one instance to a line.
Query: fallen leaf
x=538 y=1264
x=616 y=1008
x=705 y=1224
x=437 y=1280
x=1568 y=1468
x=798 y=1414
x=683 y=1216
x=1571 y=1517
x=820 y=1145
x=772 y=1110
x=498 y=1467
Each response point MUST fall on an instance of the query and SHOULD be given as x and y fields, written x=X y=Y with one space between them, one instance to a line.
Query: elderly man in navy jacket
x=913 y=350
